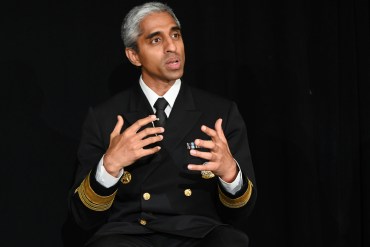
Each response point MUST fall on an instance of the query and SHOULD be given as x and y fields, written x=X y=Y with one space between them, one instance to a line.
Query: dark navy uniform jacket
x=158 y=193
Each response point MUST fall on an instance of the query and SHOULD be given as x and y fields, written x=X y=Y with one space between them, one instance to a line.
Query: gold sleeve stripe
x=236 y=202
x=92 y=200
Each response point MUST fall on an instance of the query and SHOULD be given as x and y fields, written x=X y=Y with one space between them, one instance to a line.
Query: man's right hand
x=127 y=147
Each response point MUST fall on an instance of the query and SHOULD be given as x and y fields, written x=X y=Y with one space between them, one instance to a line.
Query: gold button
x=146 y=196
x=126 y=177
x=187 y=192
x=143 y=222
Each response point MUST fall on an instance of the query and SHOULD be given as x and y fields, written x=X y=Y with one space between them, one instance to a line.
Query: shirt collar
x=170 y=95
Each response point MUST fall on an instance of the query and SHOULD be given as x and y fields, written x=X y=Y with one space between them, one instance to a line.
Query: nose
x=170 y=45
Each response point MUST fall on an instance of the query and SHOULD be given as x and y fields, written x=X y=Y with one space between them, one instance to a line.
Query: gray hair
x=130 y=29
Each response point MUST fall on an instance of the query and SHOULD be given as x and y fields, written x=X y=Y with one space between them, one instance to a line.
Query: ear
x=133 y=56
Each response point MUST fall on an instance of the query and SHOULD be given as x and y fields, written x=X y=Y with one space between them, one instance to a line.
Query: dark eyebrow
x=151 y=35
x=176 y=28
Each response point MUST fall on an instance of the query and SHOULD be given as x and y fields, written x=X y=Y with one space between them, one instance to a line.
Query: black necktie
x=160 y=105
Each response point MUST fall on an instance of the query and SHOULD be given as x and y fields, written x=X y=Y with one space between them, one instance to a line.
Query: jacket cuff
x=238 y=200
x=95 y=196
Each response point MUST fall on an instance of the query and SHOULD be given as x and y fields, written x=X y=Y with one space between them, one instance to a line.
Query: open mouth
x=173 y=63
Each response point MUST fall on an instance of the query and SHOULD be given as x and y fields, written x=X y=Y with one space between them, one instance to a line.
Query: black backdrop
x=299 y=70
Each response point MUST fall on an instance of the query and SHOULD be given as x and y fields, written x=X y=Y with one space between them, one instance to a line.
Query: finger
x=210 y=132
x=204 y=143
x=142 y=122
x=149 y=151
x=200 y=154
x=150 y=131
x=117 y=129
x=219 y=130
x=205 y=167
x=151 y=140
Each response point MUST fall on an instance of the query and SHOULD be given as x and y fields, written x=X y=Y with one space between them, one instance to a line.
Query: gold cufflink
x=207 y=174
x=126 y=177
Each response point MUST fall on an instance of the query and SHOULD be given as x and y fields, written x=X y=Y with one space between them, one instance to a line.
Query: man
x=187 y=183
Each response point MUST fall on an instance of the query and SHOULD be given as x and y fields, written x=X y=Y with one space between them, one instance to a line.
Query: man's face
x=161 y=49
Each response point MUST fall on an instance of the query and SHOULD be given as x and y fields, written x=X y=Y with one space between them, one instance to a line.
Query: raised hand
x=127 y=147
x=220 y=159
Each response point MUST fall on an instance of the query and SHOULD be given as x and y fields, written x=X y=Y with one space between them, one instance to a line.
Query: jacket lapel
x=182 y=118
x=139 y=106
